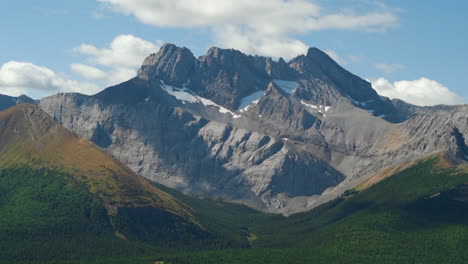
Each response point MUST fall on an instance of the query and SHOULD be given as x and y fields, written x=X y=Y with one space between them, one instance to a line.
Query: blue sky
x=43 y=47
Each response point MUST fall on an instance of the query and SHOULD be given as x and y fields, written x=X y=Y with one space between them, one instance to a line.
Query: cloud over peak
x=119 y=59
x=270 y=27
x=123 y=51
x=423 y=92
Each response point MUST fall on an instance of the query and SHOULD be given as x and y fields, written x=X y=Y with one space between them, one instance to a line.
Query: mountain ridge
x=182 y=126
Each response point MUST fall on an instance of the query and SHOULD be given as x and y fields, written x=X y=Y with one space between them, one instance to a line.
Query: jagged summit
x=273 y=88
x=226 y=76
x=171 y=64
x=314 y=52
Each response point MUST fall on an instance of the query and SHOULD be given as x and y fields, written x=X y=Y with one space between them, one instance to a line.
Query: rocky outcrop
x=225 y=76
x=172 y=64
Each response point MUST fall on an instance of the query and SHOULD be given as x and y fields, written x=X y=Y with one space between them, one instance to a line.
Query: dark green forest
x=415 y=216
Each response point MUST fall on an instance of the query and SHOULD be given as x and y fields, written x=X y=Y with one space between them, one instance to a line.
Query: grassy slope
x=30 y=136
x=63 y=198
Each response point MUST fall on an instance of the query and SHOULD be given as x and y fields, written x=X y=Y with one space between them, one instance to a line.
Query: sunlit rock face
x=278 y=136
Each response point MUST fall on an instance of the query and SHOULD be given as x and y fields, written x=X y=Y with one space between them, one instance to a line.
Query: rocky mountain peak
x=171 y=64
x=230 y=60
x=327 y=81
x=315 y=53
x=280 y=70
x=219 y=52
x=225 y=76
x=242 y=122
x=274 y=89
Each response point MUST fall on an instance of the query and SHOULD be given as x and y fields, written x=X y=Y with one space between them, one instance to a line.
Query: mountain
x=278 y=136
x=9 y=101
x=65 y=200
x=62 y=196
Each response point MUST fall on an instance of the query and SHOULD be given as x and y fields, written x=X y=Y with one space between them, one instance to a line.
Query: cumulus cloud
x=262 y=27
x=120 y=59
x=389 y=68
x=18 y=78
x=124 y=51
x=88 y=72
x=423 y=92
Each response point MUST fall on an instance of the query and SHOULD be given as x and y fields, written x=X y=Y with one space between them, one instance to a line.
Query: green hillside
x=419 y=215
x=63 y=198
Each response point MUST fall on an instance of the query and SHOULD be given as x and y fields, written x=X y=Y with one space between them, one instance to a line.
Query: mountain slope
x=58 y=190
x=179 y=123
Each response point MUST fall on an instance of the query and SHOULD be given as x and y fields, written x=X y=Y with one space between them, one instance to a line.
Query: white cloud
x=124 y=51
x=120 y=59
x=262 y=27
x=88 y=72
x=423 y=92
x=251 y=42
x=389 y=68
x=18 y=78
x=13 y=91
x=335 y=57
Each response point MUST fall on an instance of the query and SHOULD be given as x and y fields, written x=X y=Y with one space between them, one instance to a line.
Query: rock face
x=171 y=64
x=278 y=136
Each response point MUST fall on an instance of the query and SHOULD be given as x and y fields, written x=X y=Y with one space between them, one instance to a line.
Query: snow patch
x=287 y=86
x=182 y=94
x=247 y=107
x=363 y=104
x=322 y=109
x=360 y=103
x=309 y=105
x=187 y=96
x=250 y=99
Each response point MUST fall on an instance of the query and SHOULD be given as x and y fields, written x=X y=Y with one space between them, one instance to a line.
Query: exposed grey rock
x=324 y=78
x=172 y=64
x=225 y=76
x=196 y=155
x=287 y=152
